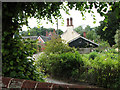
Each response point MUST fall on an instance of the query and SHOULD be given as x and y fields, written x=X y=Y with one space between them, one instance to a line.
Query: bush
x=92 y=55
x=66 y=65
x=103 y=45
x=104 y=70
x=32 y=45
x=56 y=46
x=16 y=63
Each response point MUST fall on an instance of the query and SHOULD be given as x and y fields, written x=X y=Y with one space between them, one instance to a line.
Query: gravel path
x=50 y=80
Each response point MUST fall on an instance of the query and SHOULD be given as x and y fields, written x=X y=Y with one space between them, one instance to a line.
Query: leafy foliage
x=103 y=70
x=91 y=35
x=40 y=31
x=57 y=46
x=102 y=46
x=110 y=30
x=16 y=64
x=59 y=32
x=60 y=60
x=14 y=52
x=96 y=68
x=32 y=45
x=79 y=30
x=64 y=65
x=92 y=55
x=90 y=32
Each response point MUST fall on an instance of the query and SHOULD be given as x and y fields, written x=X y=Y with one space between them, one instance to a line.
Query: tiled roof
x=85 y=40
x=45 y=38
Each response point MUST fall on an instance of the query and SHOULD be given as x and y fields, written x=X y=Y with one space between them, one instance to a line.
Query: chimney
x=84 y=34
x=71 y=21
x=54 y=31
x=46 y=33
x=67 y=21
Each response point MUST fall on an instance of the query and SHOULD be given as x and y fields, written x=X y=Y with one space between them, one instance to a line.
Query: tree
x=88 y=28
x=39 y=31
x=90 y=32
x=91 y=35
x=79 y=30
x=14 y=51
x=59 y=32
x=56 y=46
x=14 y=18
x=109 y=32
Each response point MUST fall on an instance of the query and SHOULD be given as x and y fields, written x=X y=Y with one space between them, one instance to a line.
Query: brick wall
x=14 y=83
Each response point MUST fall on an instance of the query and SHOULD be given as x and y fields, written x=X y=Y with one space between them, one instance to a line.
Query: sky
x=77 y=20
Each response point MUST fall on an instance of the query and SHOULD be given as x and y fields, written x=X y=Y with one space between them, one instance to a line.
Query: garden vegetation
x=98 y=67
x=15 y=52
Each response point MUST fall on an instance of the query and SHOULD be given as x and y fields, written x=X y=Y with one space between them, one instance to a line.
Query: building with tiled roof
x=42 y=39
x=76 y=40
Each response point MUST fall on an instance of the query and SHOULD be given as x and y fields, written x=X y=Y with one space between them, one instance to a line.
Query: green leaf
x=83 y=19
x=82 y=14
x=104 y=28
x=28 y=73
x=28 y=33
x=93 y=15
x=110 y=8
x=11 y=62
x=21 y=68
x=94 y=18
x=11 y=67
x=13 y=73
x=94 y=22
x=88 y=11
x=38 y=26
x=17 y=59
x=106 y=20
x=92 y=11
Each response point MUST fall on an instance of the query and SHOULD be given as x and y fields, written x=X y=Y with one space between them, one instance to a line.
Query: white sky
x=77 y=20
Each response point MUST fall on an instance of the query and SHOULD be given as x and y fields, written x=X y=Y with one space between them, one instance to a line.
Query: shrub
x=103 y=45
x=16 y=63
x=65 y=65
x=57 y=46
x=32 y=45
x=92 y=55
x=104 y=70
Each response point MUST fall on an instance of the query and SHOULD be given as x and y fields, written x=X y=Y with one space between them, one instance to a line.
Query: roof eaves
x=84 y=39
